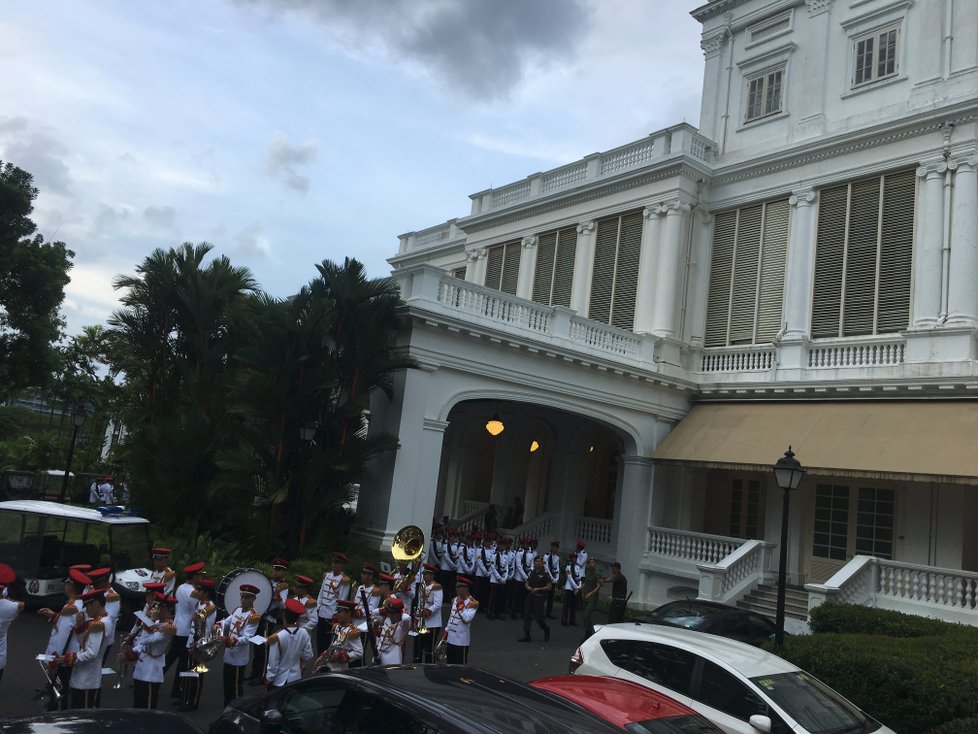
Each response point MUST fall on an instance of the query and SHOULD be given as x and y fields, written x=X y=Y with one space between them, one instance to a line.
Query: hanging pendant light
x=495 y=426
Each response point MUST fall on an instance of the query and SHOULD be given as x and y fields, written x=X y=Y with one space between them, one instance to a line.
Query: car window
x=733 y=626
x=726 y=692
x=309 y=709
x=667 y=666
x=761 y=626
x=360 y=713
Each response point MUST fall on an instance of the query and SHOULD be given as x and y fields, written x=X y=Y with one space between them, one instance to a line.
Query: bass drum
x=229 y=590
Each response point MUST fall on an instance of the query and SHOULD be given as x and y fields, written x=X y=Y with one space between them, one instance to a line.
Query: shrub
x=910 y=673
x=958 y=726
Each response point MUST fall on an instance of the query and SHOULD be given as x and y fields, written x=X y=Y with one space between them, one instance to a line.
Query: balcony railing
x=737 y=359
x=684 y=545
x=593 y=530
x=933 y=592
x=737 y=574
x=866 y=352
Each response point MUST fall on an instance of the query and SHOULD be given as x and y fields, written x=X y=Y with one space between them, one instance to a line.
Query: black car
x=100 y=721
x=407 y=699
x=715 y=619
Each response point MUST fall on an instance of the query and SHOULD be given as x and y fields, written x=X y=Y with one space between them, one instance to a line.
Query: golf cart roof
x=107 y=515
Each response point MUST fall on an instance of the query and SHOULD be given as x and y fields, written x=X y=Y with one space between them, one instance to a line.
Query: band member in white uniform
x=183 y=620
x=458 y=628
x=271 y=619
x=393 y=632
x=63 y=639
x=162 y=573
x=301 y=585
x=237 y=628
x=336 y=586
x=9 y=609
x=86 y=664
x=347 y=645
x=288 y=648
x=433 y=598
x=581 y=559
x=150 y=651
x=204 y=618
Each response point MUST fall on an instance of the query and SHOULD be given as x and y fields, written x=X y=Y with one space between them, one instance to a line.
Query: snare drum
x=229 y=590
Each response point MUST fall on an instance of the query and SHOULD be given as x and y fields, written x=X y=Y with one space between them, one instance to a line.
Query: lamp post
x=78 y=416
x=787 y=473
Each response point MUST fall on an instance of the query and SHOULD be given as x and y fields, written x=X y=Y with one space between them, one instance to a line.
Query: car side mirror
x=270 y=722
x=759 y=722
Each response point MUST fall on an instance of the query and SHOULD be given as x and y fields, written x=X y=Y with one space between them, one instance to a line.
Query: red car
x=627 y=705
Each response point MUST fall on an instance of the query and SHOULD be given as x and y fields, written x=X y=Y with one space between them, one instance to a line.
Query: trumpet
x=419 y=616
x=122 y=660
x=54 y=687
x=440 y=653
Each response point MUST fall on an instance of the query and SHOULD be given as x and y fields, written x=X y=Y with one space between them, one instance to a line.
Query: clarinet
x=370 y=623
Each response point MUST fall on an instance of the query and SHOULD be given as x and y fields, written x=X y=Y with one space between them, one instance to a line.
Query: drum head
x=229 y=590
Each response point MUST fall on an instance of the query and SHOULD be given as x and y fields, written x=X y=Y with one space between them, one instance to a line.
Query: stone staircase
x=764 y=600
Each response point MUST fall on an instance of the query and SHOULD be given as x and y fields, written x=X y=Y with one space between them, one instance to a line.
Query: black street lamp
x=78 y=415
x=787 y=473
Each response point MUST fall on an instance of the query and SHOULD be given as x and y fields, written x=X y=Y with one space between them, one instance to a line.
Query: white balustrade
x=540 y=527
x=593 y=530
x=627 y=156
x=739 y=359
x=689 y=546
x=494 y=305
x=858 y=354
x=605 y=338
x=565 y=177
x=511 y=194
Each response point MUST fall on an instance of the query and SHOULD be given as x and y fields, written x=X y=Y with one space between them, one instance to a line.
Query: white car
x=740 y=688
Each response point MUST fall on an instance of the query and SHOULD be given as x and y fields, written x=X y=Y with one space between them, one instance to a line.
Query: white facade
x=815 y=242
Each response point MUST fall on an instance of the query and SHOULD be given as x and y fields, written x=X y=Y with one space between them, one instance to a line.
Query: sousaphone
x=408 y=544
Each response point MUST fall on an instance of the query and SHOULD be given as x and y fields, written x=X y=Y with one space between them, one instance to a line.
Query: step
x=770 y=609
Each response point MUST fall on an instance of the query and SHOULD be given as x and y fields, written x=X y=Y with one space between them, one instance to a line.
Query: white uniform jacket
x=485 y=558
x=581 y=562
x=551 y=564
x=390 y=641
x=237 y=628
x=460 y=619
x=335 y=586
x=522 y=564
x=167 y=576
x=572 y=581
x=9 y=610
x=435 y=598
x=373 y=601
x=86 y=664
x=152 y=647
x=288 y=649
x=183 y=617
x=499 y=570
x=347 y=640
x=62 y=640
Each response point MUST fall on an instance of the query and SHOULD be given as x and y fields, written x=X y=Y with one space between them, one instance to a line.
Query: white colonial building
x=655 y=324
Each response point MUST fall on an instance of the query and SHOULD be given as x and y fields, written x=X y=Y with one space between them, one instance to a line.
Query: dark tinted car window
x=725 y=692
x=761 y=627
x=667 y=666
x=311 y=709
x=733 y=626
x=361 y=713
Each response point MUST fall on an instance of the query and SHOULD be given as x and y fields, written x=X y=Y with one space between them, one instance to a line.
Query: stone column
x=475 y=269
x=635 y=505
x=583 y=265
x=928 y=242
x=646 y=271
x=528 y=268
x=414 y=484
x=962 y=301
x=669 y=270
x=801 y=264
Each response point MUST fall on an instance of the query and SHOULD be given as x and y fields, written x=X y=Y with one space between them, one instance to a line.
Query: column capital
x=529 y=242
x=802 y=197
x=477 y=254
x=817 y=7
x=713 y=44
x=651 y=211
x=966 y=161
x=932 y=168
x=585 y=227
x=674 y=207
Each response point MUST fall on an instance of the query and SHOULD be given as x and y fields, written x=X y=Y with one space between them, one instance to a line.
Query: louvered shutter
x=626 y=272
x=829 y=259
x=544 y=273
x=564 y=267
x=511 y=268
x=859 y=309
x=743 y=300
x=721 y=270
x=603 y=276
x=774 y=250
x=494 y=266
x=896 y=244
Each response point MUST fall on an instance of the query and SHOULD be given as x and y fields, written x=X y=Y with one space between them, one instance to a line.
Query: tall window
x=745 y=508
x=615 y=277
x=503 y=267
x=863 y=256
x=875 y=56
x=555 y=267
x=747 y=274
x=764 y=94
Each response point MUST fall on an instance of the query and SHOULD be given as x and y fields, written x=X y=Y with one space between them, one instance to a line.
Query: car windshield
x=130 y=545
x=688 y=615
x=815 y=706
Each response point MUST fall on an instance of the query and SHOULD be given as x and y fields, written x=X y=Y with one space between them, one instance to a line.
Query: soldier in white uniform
x=458 y=629
x=336 y=587
x=516 y=589
x=9 y=609
x=347 y=644
x=393 y=632
x=271 y=619
x=300 y=590
x=433 y=597
x=485 y=558
x=572 y=582
x=86 y=664
x=499 y=573
x=237 y=628
x=162 y=573
x=551 y=564
x=582 y=556
x=150 y=650
x=366 y=588
x=288 y=648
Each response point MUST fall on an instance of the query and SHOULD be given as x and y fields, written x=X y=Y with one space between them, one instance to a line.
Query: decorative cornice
x=715 y=9
x=817 y=7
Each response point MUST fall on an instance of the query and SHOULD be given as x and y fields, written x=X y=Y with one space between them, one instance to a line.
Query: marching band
x=277 y=624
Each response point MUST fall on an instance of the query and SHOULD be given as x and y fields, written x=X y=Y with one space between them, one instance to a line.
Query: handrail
x=735 y=574
x=688 y=545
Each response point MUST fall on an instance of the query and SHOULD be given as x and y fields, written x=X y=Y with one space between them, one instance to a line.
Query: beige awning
x=911 y=440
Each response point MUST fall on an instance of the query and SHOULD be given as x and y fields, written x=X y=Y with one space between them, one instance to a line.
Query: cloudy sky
x=285 y=132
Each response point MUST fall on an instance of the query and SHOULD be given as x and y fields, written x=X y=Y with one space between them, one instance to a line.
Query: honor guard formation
x=273 y=630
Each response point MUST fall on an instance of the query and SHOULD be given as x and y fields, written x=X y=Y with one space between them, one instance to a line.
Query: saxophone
x=339 y=639
x=124 y=643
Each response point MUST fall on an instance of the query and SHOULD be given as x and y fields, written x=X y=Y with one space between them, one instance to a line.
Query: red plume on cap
x=7 y=575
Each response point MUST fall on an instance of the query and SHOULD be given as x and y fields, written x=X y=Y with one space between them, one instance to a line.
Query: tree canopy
x=33 y=276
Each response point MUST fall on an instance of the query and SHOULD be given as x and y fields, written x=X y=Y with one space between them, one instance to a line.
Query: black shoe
x=546 y=635
x=523 y=639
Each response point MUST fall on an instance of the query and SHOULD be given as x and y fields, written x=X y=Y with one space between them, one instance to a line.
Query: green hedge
x=911 y=673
